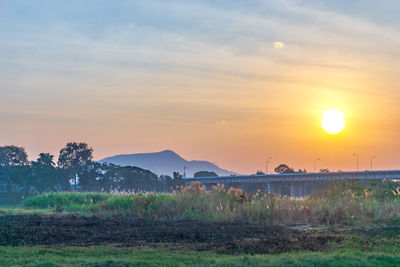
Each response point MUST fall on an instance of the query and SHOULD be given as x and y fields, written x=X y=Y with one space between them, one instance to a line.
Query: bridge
x=295 y=184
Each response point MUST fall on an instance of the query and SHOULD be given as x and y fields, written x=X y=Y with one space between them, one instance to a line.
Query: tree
x=46 y=159
x=110 y=179
x=13 y=161
x=13 y=156
x=205 y=174
x=128 y=178
x=178 y=178
x=74 y=158
x=45 y=174
x=90 y=175
x=283 y=168
x=324 y=170
x=138 y=179
x=22 y=179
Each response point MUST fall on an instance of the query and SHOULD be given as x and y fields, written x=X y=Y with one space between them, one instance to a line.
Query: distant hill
x=165 y=162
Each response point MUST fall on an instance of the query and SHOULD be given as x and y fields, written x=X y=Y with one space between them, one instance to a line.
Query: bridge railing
x=291 y=177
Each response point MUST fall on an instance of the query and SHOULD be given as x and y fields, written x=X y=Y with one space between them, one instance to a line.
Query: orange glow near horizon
x=233 y=95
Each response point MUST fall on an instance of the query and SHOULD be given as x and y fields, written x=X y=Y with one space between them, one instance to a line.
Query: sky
x=232 y=82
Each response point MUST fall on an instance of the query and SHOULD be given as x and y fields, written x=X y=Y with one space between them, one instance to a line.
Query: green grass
x=111 y=256
x=71 y=202
x=23 y=210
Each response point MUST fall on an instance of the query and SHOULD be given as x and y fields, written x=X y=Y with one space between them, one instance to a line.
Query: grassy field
x=344 y=204
x=346 y=225
x=110 y=256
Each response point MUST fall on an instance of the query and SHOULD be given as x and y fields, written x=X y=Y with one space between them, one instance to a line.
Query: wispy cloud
x=192 y=63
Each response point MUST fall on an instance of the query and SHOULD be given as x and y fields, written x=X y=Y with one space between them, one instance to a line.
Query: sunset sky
x=229 y=82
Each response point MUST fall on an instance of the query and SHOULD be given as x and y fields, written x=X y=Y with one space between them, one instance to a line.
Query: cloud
x=146 y=64
x=279 y=44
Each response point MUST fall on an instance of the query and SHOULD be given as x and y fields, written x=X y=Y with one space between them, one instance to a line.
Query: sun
x=333 y=121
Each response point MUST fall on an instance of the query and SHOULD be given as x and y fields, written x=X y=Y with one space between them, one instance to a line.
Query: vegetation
x=283 y=168
x=75 y=171
x=205 y=174
x=372 y=214
x=111 y=256
x=343 y=203
x=373 y=239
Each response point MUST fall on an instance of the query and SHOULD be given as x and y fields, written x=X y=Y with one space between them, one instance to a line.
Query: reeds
x=344 y=204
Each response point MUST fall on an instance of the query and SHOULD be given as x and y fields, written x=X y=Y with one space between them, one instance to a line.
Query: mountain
x=165 y=162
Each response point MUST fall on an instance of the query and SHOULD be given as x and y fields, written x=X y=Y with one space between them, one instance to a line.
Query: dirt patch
x=236 y=237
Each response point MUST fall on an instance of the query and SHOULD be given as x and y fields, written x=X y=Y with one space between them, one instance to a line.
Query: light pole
x=266 y=164
x=371 y=160
x=356 y=155
x=315 y=160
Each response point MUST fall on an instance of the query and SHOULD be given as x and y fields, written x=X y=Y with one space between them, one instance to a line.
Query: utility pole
x=315 y=160
x=266 y=164
x=371 y=160
x=356 y=155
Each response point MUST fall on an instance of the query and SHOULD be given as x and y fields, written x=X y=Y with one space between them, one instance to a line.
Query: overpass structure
x=295 y=184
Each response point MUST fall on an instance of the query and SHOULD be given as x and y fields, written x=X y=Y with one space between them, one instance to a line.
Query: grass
x=111 y=256
x=342 y=204
x=345 y=204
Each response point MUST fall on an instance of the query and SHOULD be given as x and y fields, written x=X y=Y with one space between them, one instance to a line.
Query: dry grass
x=345 y=204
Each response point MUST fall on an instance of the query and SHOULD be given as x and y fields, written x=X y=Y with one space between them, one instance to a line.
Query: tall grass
x=345 y=204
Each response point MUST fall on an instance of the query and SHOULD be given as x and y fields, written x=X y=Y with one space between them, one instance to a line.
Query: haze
x=233 y=83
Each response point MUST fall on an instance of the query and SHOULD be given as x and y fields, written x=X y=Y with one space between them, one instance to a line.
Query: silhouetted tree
x=205 y=174
x=13 y=156
x=46 y=176
x=110 y=179
x=283 y=168
x=90 y=175
x=166 y=183
x=324 y=170
x=178 y=179
x=13 y=161
x=134 y=178
x=75 y=158
x=75 y=164
x=46 y=159
x=22 y=179
x=128 y=178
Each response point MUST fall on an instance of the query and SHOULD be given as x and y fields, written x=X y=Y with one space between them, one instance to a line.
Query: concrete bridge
x=295 y=184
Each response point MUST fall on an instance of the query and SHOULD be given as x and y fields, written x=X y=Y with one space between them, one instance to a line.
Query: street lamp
x=356 y=155
x=371 y=160
x=266 y=164
x=315 y=160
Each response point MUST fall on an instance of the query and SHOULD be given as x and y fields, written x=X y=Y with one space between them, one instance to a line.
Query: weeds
x=345 y=204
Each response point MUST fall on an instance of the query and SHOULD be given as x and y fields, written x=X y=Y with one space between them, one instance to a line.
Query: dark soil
x=16 y=230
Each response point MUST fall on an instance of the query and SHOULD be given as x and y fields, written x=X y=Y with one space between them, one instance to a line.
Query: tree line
x=74 y=170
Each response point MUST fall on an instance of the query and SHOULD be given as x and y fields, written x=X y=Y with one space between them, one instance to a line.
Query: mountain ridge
x=165 y=163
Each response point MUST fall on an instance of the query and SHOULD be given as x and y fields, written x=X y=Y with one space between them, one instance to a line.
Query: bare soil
x=238 y=237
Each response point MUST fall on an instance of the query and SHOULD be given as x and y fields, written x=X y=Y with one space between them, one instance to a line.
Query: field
x=345 y=225
x=111 y=256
